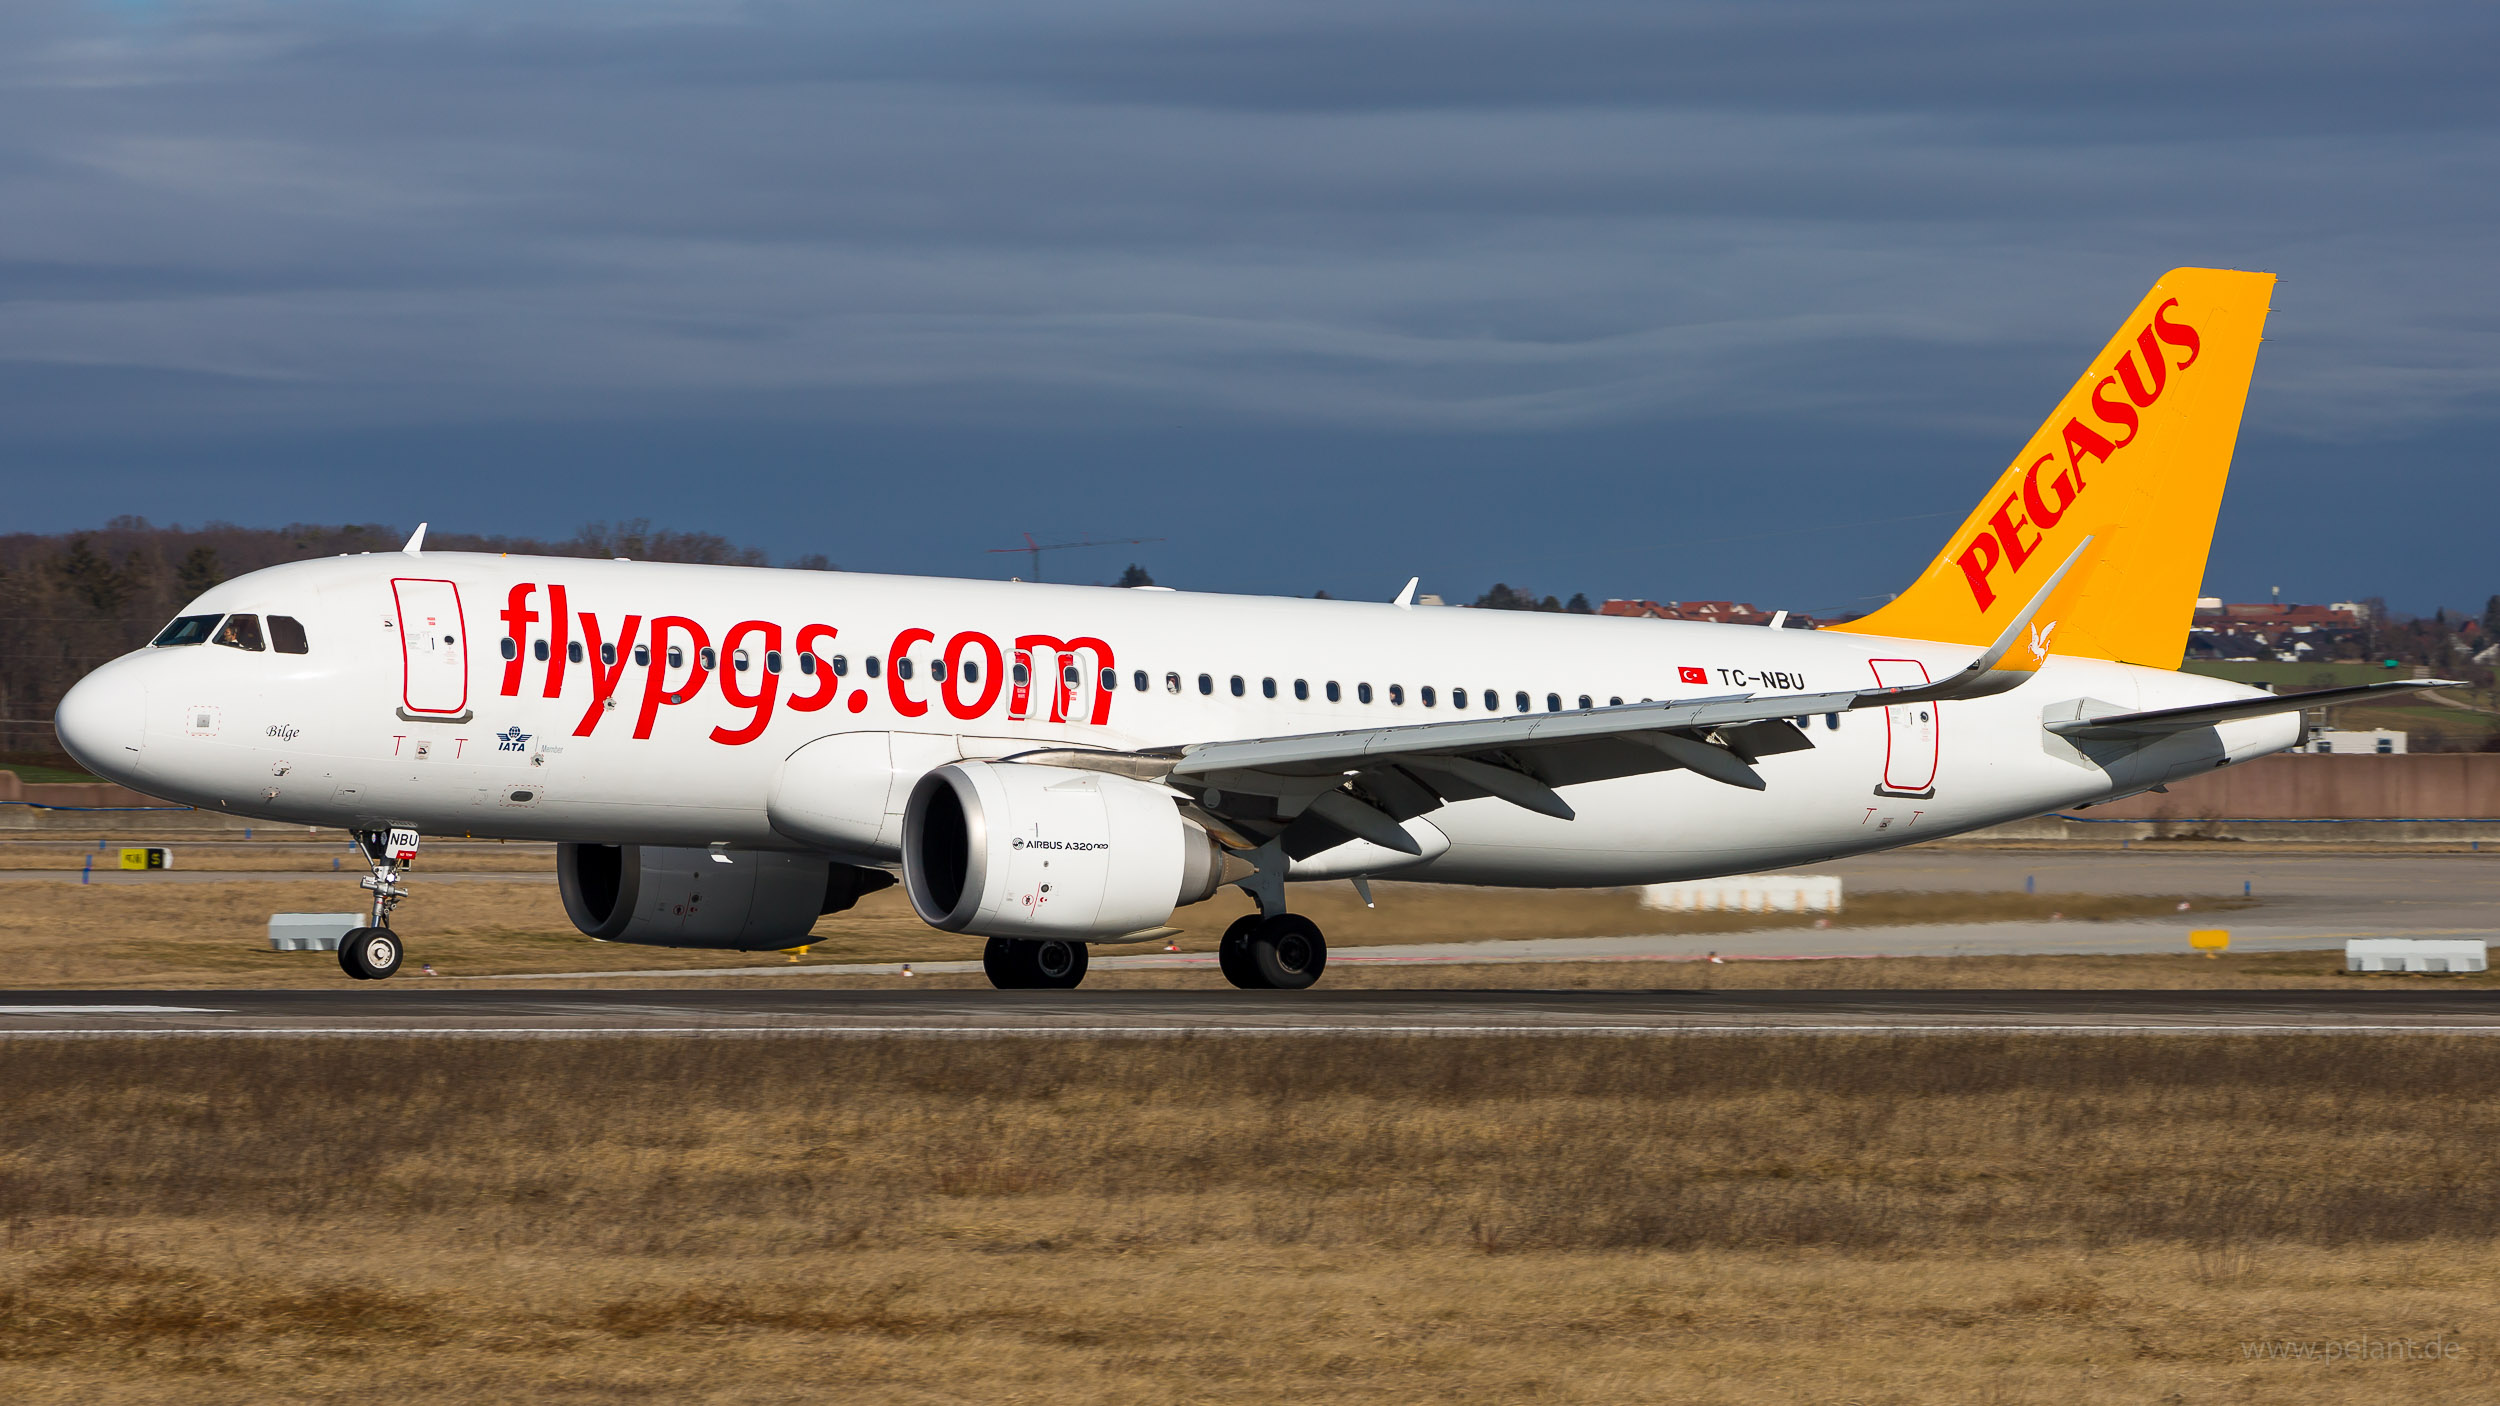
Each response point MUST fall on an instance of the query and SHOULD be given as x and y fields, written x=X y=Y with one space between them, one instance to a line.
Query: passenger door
x=1910 y=733
x=434 y=649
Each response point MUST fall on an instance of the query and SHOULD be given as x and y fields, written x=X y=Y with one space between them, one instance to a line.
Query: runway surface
x=399 y=1011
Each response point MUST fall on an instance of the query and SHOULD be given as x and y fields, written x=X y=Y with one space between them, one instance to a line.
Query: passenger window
x=1267 y=688
x=1397 y=695
x=1171 y=683
x=868 y=664
x=937 y=670
x=188 y=629
x=1519 y=700
x=642 y=654
x=971 y=671
x=1425 y=695
x=709 y=656
x=1069 y=675
x=676 y=656
x=1206 y=683
x=1139 y=679
x=1111 y=681
x=286 y=635
x=772 y=661
x=1238 y=690
x=1362 y=693
x=1553 y=703
x=807 y=663
x=1614 y=702
x=240 y=632
x=507 y=648
x=573 y=650
x=538 y=648
x=1458 y=698
x=607 y=653
x=1023 y=676
x=1584 y=701
x=1333 y=695
x=738 y=660
x=902 y=668
x=1302 y=689
x=841 y=666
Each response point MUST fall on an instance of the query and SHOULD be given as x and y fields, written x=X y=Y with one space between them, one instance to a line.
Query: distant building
x=1717 y=612
x=2268 y=630
x=2380 y=742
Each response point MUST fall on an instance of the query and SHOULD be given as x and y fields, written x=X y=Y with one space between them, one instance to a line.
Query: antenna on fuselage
x=416 y=541
x=1406 y=598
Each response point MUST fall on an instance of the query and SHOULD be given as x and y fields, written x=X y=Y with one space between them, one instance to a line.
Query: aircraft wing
x=2119 y=727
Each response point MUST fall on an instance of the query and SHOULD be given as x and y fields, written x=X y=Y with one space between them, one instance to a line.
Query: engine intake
x=1010 y=849
x=659 y=896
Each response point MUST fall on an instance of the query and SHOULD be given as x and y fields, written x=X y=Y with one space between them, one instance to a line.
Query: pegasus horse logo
x=2040 y=633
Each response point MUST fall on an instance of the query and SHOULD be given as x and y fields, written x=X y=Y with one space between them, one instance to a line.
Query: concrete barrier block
x=1747 y=893
x=2413 y=954
x=311 y=932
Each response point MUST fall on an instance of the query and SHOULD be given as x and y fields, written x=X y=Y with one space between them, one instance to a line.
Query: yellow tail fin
x=2135 y=456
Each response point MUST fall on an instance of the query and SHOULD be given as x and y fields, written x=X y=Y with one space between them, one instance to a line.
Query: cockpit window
x=240 y=632
x=189 y=629
x=286 y=635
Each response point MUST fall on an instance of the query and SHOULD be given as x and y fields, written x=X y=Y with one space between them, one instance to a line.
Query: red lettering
x=2010 y=532
x=895 y=658
x=2153 y=361
x=2082 y=439
x=2114 y=411
x=732 y=680
x=826 y=684
x=1978 y=559
x=516 y=622
x=604 y=674
x=559 y=639
x=1061 y=662
x=952 y=690
x=656 y=675
x=2177 y=334
x=2042 y=515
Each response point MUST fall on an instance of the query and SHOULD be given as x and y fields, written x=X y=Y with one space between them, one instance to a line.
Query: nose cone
x=101 y=722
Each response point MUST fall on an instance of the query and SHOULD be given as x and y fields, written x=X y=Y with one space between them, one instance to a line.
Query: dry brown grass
x=1895 y=1220
x=164 y=932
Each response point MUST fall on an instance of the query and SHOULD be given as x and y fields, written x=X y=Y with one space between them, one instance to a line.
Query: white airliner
x=726 y=754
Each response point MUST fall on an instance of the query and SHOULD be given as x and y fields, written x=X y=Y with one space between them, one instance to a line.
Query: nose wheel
x=1282 y=953
x=373 y=952
x=369 y=954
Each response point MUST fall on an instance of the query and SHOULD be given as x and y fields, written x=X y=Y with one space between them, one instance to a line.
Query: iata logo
x=512 y=739
x=2130 y=387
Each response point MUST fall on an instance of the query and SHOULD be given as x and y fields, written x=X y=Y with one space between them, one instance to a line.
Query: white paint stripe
x=111 y=1010
x=1102 y=1031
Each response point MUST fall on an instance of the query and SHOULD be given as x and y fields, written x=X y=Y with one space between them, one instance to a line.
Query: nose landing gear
x=373 y=952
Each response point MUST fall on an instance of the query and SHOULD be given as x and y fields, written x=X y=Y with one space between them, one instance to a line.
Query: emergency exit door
x=433 y=647
x=1909 y=733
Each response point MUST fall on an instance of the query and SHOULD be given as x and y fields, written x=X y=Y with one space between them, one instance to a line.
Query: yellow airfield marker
x=2210 y=941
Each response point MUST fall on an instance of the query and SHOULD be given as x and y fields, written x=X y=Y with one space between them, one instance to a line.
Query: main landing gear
x=373 y=952
x=1018 y=964
x=1281 y=953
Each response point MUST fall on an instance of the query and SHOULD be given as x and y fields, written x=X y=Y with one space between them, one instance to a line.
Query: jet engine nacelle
x=1010 y=849
x=742 y=900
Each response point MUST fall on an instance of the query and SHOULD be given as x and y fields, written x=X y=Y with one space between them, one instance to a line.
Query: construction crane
x=1035 y=549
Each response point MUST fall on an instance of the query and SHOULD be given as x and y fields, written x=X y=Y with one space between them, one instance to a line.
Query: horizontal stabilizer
x=2130 y=726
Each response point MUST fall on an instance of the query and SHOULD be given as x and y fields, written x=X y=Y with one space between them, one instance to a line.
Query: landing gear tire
x=1014 y=964
x=369 y=954
x=1283 y=953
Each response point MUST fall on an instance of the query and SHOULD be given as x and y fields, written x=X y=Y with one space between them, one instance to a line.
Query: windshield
x=190 y=629
x=240 y=632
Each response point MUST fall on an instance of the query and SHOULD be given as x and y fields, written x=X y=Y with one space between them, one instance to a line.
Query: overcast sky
x=1647 y=299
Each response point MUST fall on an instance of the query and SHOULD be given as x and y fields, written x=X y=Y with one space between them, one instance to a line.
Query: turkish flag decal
x=1692 y=675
